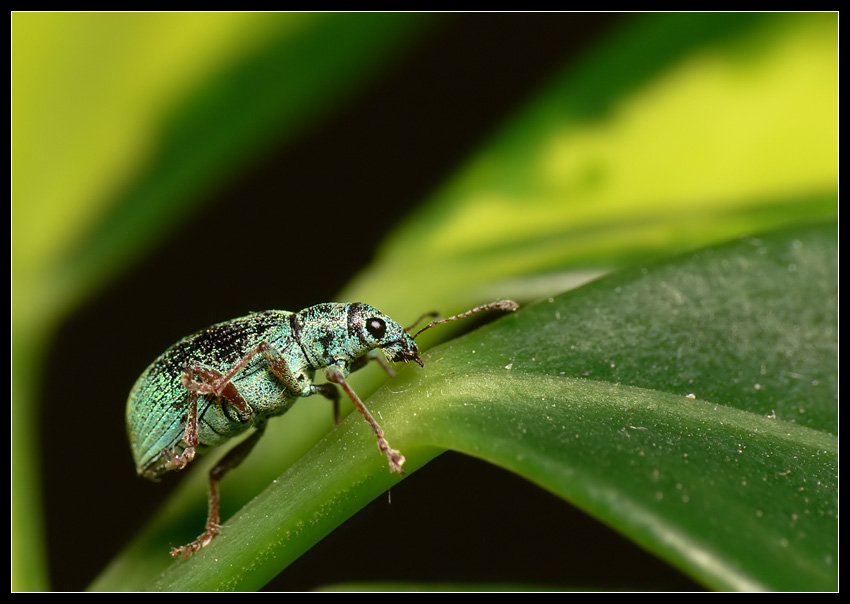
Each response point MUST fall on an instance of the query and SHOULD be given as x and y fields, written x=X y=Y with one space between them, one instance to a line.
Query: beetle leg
x=278 y=366
x=190 y=437
x=330 y=392
x=221 y=384
x=217 y=384
x=297 y=384
x=395 y=458
x=232 y=459
x=373 y=355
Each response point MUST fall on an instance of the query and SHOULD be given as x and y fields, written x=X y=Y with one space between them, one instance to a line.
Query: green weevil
x=215 y=384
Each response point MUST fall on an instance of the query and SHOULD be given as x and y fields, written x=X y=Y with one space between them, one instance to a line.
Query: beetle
x=215 y=384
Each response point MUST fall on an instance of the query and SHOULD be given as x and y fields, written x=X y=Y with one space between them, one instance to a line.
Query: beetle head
x=380 y=331
x=377 y=330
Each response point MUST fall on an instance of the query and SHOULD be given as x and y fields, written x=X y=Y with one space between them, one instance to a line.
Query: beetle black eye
x=376 y=327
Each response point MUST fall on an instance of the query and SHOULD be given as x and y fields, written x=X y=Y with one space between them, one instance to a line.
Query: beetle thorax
x=331 y=334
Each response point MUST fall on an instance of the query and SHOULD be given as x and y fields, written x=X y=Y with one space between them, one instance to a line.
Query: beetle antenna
x=433 y=313
x=506 y=305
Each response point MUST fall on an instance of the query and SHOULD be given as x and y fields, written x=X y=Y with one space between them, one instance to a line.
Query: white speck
x=509 y=366
x=757 y=386
x=691 y=395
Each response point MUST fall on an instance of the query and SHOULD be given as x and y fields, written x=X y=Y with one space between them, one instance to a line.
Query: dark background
x=366 y=166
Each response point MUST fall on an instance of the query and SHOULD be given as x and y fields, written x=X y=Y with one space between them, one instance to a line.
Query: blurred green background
x=174 y=170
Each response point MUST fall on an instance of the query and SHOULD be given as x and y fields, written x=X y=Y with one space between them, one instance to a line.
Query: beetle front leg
x=373 y=355
x=214 y=383
x=298 y=384
x=396 y=459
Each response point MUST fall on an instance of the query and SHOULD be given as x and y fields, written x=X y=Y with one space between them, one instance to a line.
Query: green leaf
x=689 y=404
x=736 y=486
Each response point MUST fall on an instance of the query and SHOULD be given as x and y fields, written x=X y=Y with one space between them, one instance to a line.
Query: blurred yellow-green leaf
x=123 y=120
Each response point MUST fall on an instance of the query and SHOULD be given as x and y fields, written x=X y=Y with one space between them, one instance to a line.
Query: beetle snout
x=403 y=352
x=405 y=357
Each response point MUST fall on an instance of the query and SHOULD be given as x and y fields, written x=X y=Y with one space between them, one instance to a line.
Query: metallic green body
x=325 y=335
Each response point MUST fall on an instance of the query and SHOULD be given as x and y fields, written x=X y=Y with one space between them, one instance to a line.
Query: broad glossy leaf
x=691 y=405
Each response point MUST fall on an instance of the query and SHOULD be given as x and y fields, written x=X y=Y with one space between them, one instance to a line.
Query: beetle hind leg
x=232 y=459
